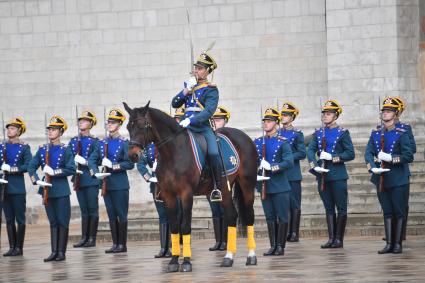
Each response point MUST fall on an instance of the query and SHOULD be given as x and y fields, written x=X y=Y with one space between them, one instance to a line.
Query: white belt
x=192 y=109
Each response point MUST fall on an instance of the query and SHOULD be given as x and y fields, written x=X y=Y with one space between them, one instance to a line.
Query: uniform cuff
x=34 y=179
x=14 y=169
x=312 y=165
x=57 y=171
x=396 y=159
x=336 y=159
x=275 y=168
x=146 y=177
x=116 y=167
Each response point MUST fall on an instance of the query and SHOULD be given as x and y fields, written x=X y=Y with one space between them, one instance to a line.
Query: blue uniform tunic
x=117 y=196
x=18 y=156
x=148 y=159
x=280 y=157
x=88 y=191
x=340 y=146
x=62 y=162
x=296 y=140
x=199 y=108
x=398 y=144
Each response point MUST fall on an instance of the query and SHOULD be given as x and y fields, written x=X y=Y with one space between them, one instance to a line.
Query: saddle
x=200 y=155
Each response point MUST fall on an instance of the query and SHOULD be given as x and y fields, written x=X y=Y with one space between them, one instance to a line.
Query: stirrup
x=157 y=197
x=216 y=195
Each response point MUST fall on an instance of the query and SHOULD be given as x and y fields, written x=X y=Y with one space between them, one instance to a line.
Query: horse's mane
x=164 y=118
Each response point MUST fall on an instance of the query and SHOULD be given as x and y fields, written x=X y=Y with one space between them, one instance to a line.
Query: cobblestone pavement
x=303 y=262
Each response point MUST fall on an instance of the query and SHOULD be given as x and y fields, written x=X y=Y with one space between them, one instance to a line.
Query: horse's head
x=140 y=131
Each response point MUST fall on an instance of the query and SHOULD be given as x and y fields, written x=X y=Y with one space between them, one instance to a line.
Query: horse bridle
x=146 y=127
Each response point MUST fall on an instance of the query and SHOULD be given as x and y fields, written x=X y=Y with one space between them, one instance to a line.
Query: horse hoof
x=186 y=267
x=172 y=267
x=251 y=260
x=227 y=262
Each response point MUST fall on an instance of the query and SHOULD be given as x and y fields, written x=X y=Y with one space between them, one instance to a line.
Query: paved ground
x=303 y=262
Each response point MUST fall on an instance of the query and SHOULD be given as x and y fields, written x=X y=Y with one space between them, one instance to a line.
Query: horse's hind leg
x=171 y=206
x=247 y=195
x=186 y=227
x=231 y=217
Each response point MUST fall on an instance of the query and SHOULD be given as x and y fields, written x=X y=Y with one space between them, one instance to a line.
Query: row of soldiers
x=389 y=151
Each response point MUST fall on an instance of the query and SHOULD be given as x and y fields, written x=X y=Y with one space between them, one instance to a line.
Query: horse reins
x=146 y=127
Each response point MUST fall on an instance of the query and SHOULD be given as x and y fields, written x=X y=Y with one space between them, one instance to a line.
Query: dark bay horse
x=178 y=176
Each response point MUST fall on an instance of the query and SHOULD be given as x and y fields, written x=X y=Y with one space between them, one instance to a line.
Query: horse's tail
x=239 y=203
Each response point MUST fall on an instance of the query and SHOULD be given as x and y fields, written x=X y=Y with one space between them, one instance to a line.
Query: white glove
x=5 y=167
x=3 y=181
x=153 y=180
x=320 y=170
x=190 y=83
x=154 y=165
x=325 y=155
x=102 y=176
x=379 y=170
x=79 y=172
x=43 y=184
x=80 y=160
x=265 y=165
x=106 y=162
x=48 y=170
x=385 y=156
x=185 y=123
x=262 y=178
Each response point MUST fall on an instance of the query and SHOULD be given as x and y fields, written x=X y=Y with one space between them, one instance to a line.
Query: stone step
x=307 y=221
x=151 y=235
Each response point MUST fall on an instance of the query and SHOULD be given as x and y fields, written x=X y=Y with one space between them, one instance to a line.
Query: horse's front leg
x=171 y=208
x=231 y=217
x=186 y=228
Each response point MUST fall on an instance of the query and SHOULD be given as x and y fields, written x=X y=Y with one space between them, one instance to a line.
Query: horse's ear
x=127 y=108
x=147 y=104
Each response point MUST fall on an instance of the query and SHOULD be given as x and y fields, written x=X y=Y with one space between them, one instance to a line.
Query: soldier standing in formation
x=219 y=119
x=333 y=145
x=296 y=140
x=112 y=154
x=278 y=160
x=16 y=155
x=387 y=156
x=87 y=187
x=58 y=163
x=409 y=132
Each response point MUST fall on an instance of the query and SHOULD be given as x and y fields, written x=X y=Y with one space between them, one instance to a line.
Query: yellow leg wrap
x=175 y=244
x=187 y=252
x=251 y=241
x=231 y=239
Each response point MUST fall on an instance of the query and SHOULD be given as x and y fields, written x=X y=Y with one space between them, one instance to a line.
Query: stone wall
x=55 y=54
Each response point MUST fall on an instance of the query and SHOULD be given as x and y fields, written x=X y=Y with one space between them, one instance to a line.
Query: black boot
x=53 y=244
x=341 y=222
x=330 y=221
x=84 y=232
x=288 y=237
x=282 y=231
x=168 y=243
x=113 y=224
x=94 y=223
x=388 y=237
x=398 y=249
x=122 y=238
x=62 y=243
x=405 y=224
x=162 y=239
x=11 y=235
x=223 y=235
x=295 y=226
x=19 y=248
x=272 y=229
x=217 y=233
